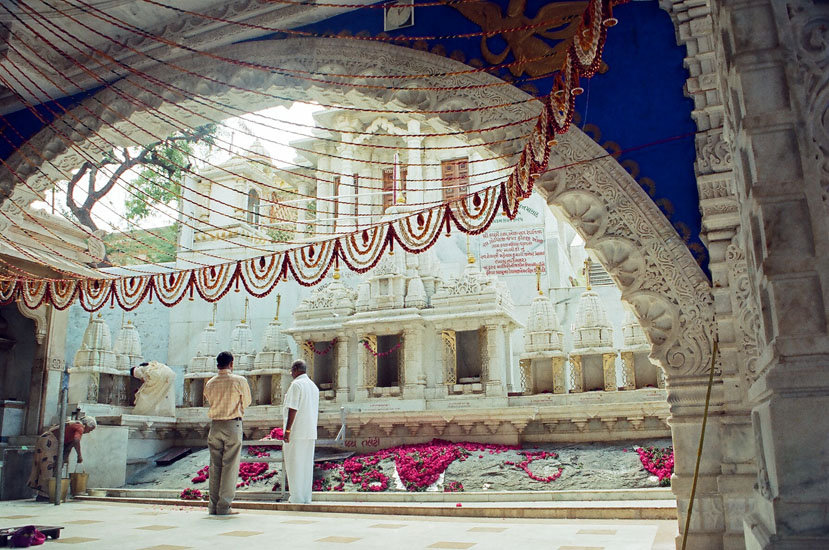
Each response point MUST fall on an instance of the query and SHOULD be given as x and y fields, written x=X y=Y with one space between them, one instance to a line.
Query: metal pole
x=64 y=396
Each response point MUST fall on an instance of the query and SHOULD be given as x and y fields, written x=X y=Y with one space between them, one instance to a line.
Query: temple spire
x=587 y=272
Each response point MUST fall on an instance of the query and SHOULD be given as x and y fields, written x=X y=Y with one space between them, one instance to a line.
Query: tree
x=163 y=164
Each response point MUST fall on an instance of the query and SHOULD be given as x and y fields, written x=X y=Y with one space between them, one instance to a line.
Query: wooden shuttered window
x=455 y=177
x=388 y=185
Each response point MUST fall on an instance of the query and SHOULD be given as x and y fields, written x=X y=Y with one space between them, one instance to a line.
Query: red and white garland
x=361 y=250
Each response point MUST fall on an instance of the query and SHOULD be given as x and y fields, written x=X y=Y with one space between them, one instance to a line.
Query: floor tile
x=299 y=521
x=241 y=533
x=75 y=540
x=387 y=526
x=487 y=529
x=343 y=540
x=157 y=527
x=596 y=532
x=449 y=544
x=84 y=521
x=16 y=517
x=150 y=513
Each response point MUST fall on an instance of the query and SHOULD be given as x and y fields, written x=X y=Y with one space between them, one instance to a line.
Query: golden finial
x=213 y=322
x=336 y=274
x=278 y=301
x=470 y=259
x=587 y=272
x=538 y=279
x=245 y=316
x=401 y=199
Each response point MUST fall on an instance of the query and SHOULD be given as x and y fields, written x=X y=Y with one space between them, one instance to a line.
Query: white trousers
x=299 y=467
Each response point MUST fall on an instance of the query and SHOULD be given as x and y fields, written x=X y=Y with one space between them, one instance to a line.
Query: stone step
x=658 y=493
x=455 y=507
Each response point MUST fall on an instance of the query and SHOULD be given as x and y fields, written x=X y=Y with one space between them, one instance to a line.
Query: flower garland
x=659 y=462
x=529 y=458
x=326 y=351
x=375 y=353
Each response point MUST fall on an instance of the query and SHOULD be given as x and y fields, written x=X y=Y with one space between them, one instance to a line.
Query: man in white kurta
x=156 y=396
x=301 y=408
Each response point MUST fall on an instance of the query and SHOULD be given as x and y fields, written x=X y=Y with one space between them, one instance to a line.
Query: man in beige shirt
x=228 y=395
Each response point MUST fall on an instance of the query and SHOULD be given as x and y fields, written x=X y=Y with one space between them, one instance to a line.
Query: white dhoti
x=156 y=397
x=299 y=467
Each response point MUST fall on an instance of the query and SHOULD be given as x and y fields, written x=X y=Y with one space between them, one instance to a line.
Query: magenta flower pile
x=453 y=487
x=418 y=466
x=192 y=494
x=659 y=462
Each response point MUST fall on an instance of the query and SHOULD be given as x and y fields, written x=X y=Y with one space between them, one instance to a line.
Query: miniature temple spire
x=586 y=272
x=469 y=257
x=245 y=315
x=213 y=322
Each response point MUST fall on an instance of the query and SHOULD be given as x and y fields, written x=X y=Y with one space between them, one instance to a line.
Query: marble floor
x=106 y=526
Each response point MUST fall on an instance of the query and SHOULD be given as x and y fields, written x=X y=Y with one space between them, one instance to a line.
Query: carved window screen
x=450 y=366
x=455 y=178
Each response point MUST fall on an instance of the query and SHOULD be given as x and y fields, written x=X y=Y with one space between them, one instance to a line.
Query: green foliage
x=280 y=235
x=164 y=166
x=135 y=247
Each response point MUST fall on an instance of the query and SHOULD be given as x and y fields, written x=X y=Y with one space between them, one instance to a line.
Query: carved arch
x=618 y=220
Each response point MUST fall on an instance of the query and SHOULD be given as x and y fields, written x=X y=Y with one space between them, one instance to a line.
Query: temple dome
x=592 y=330
x=128 y=347
x=96 y=347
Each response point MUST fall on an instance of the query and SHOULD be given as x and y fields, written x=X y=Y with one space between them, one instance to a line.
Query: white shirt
x=303 y=396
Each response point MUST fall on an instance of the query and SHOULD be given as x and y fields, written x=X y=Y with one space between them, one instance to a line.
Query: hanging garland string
x=166 y=117
x=317 y=76
x=310 y=345
x=366 y=344
x=270 y=69
x=309 y=264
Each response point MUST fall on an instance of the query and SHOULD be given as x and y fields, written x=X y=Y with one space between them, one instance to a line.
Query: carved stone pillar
x=780 y=139
x=342 y=369
x=609 y=371
x=559 y=379
x=494 y=363
x=628 y=371
x=415 y=183
x=414 y=377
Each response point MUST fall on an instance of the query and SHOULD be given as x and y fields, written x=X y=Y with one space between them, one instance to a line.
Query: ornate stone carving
x=811 y=25
x=745 y=308
x=41 y=318
x=714 y=153
x=670 y=295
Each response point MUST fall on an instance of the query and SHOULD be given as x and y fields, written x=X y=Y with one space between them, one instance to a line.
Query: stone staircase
x=598 y=275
